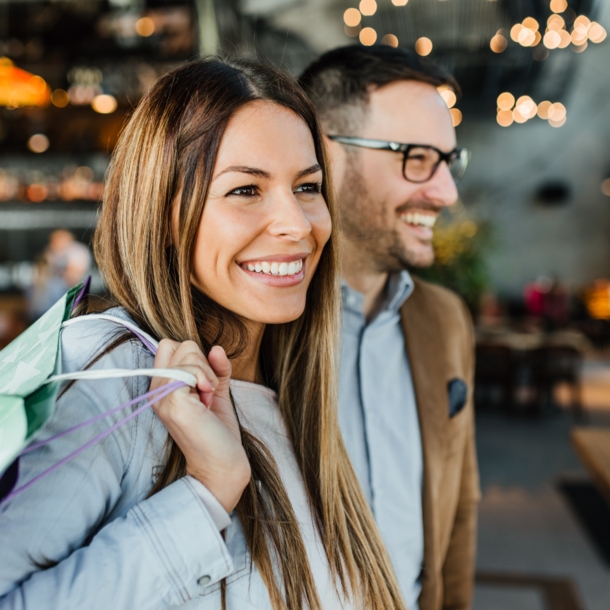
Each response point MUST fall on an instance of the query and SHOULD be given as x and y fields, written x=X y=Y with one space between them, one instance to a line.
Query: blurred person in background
x=64 y=263
x=407 y=348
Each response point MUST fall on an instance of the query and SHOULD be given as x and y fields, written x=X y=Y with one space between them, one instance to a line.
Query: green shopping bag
x=26 y=401
x=30 y=378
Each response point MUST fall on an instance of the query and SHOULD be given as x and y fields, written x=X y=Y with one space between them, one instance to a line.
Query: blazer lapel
x=424 y=344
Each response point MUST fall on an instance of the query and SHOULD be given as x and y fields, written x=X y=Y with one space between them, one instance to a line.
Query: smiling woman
x=215 y=237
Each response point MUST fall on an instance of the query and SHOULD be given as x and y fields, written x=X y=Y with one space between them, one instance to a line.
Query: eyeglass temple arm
x=366 y=143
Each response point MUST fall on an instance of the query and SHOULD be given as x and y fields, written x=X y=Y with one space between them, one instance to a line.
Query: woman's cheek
x=321 y=224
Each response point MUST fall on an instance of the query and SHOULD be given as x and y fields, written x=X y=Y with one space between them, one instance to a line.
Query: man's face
x=388 y=218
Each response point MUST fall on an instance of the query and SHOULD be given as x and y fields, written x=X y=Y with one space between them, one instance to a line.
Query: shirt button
x=203 y=581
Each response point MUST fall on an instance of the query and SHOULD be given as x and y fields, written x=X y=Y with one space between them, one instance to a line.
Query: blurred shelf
x=50 y=215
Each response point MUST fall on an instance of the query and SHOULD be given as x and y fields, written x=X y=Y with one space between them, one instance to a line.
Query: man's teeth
x=276 y=268
x=415 y=218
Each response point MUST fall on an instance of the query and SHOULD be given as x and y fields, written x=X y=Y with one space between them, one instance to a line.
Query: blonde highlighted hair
x=165 y=157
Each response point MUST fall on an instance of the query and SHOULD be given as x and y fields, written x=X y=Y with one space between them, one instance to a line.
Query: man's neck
x=360 y=275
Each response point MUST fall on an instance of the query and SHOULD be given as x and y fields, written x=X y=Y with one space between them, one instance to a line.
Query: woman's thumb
x=221 y=365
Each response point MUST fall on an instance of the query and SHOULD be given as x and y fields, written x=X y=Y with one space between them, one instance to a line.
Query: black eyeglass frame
x=447 y=157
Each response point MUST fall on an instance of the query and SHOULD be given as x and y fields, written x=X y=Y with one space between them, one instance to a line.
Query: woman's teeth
x=275 y=268
x=414 y=218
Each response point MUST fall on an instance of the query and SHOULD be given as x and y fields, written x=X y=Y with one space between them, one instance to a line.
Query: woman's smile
x=281 y=270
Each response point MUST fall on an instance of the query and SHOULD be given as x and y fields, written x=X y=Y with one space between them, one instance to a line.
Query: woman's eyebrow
x=310 y=170
x=243 y=169
x=255 y=171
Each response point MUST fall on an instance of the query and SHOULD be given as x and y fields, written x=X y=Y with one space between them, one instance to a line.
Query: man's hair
x=340 y=81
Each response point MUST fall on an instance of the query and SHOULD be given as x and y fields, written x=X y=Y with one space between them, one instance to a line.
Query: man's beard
x=371 y=227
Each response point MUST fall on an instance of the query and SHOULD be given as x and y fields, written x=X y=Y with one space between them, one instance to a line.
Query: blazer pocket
x=457 y=392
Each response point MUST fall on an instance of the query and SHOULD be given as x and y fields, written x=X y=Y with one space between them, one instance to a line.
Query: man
x=405 y=398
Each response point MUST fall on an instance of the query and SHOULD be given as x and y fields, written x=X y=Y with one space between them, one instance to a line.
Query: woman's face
x=265 y=222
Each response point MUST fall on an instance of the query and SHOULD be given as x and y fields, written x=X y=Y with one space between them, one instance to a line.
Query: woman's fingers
x=189 y=357
x=220 y=363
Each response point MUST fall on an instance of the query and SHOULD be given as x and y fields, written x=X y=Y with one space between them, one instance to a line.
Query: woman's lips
x=271 y=274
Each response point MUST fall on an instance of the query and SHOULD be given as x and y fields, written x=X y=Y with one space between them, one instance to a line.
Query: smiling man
x=407 y=346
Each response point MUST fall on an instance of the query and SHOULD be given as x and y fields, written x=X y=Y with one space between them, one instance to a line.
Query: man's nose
x=288 y=218
x=441 y=188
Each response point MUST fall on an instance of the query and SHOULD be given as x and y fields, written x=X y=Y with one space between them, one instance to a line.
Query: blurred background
x=528 y=246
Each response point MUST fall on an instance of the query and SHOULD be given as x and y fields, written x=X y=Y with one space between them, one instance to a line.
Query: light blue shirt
x=380 y=426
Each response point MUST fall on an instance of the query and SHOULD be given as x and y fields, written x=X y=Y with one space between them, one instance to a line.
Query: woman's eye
x=244 y=191
x=310 y=187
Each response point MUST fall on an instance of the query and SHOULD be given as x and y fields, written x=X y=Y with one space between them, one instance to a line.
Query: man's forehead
x=409 y=111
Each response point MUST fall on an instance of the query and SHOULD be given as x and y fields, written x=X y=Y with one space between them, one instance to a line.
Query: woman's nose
x=289 y=219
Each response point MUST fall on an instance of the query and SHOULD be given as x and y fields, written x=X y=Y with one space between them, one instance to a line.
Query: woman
x=215 y=232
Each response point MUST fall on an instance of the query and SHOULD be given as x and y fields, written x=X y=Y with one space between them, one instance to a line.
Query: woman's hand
x=202 y=421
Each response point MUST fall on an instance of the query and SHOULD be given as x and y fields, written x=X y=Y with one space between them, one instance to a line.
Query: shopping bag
x=26 y=402
x=30 y=379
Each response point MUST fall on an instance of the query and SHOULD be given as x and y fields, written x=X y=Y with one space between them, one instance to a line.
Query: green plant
x=461 y=245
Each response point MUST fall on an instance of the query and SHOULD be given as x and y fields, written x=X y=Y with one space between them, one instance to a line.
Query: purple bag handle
x=9 y=478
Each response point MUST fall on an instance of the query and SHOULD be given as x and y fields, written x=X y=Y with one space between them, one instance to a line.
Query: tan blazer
x=440 y=344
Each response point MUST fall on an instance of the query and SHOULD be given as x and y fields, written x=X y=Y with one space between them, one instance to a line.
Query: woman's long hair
x=165 y=157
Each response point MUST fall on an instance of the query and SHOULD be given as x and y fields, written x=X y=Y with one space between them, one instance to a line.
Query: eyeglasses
x=420 y=161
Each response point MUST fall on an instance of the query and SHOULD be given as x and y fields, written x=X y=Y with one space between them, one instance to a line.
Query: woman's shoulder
x=95 y=337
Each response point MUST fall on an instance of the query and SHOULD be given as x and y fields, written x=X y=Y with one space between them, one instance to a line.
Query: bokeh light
x=531 y=24
x=505 y=118
x=555 y=22
x=582 y=24
x=597 y=33
x=526 y=106
x=60 y=98
x=526 y=37
x=104 y=104
x=368 y=7
x=515 y=31
x=557 y=122
x=557 y=111
x=448 y=95
x=423 y=46
x=456 y=116
x=352 y=17
x=390 y=40
x=399 y=2
x=558 y=6
x=506 y=101
x=566 y=39
x=145 y=27
x=38 y=143
x=368 y=36
x=551 y=39
x=543 y=109
x=498 y=43
x=519 y=117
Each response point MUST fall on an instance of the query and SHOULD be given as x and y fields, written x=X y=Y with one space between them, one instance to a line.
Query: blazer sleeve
x=459 y=566
x=158 y=550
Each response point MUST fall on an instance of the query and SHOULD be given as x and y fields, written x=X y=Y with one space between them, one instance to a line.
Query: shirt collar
x=399 y=288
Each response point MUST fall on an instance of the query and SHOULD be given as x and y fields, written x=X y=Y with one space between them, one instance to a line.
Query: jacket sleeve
x=165 y=549
x=109 y=545
x=459 y=566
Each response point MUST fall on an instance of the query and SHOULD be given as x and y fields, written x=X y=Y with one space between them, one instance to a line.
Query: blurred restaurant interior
x=528 y=246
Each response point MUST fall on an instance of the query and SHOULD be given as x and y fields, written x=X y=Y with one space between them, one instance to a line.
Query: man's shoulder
x=436 y=299
x=433 y=311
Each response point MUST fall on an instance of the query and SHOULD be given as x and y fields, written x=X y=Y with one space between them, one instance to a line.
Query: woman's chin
x=275 y=315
